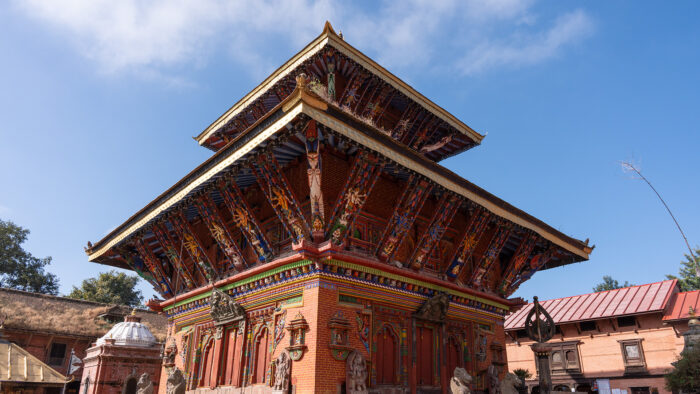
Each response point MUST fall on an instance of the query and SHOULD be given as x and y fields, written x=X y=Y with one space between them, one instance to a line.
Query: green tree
x=610 y=284
x=18 y=268
x=687 y=277
x=523 y=374
x=110 y=288
x=685 y=375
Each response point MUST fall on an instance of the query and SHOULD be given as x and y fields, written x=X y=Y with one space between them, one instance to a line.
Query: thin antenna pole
x=630 y=166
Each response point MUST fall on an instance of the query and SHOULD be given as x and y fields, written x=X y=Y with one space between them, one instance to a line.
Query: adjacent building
x=623 y=339
x=322 y=248
x=49 y=327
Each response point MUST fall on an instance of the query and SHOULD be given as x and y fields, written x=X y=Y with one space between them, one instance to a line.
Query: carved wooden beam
x=527 y=244
x=444 y=213
x=363 y=175
x=207 y=210
x=405 y=213
x=154 y=265
x=244 y=219
x=313 y=150
x=536 y=262
x=193 y=245
x=475 y=230
x=137 y=265
x=350 y=92
x=168 y=244
x=276 y=188
x=499 y=239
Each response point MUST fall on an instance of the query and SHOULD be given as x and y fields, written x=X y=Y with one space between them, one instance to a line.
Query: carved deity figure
x=434 y=309
x=356 y=374
x=511 y=383
x=144 y=386
x=283 y=366
x=494 y=384
x=170 y=353
x=223 y=307
x=459 y=384
x=176 y=382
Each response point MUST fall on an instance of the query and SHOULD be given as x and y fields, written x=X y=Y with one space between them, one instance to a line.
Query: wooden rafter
x=407 y=209
x=167 y=242
x=527 y=244
x=482 y=270
x=537 y=262
x=207 y=210
x=362 y=177
x=244 y=219
x=442 y=217
x=475 y=230
x=276 y=188
x=154 y=265
x=193 y=246
x=137 y=265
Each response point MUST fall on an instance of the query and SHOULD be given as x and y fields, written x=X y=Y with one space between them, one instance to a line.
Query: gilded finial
x=133 y=312
x=301 y=81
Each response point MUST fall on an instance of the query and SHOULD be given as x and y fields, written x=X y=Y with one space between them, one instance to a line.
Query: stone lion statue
x=176 y=382
x=459 y=384
x=144 y=385
x=511 y=383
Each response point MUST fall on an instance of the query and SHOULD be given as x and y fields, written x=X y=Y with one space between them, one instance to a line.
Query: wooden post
x=542 y=355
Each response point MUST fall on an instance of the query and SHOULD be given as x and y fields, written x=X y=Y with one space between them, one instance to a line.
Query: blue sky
x=99 y=101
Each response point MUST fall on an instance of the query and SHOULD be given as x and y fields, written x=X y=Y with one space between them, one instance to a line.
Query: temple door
x=453 y=359
x=233 y=359
x=262 y=358
x=386 y=356
x=207 y=366
x=424 y=362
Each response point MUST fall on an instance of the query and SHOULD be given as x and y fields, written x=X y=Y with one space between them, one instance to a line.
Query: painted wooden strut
x=473 y=233
x=207 y=210
x=442 y=217
x=193 y=246
x=167 y=243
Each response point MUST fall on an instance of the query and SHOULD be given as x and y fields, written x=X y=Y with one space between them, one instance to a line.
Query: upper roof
x=319 y=47
x=633 y=300
x=18 y=365
x=69 y=317
x=680 y=308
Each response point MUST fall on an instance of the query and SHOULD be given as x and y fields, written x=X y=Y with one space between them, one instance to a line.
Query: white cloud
x=527 y=50
x=162 y=37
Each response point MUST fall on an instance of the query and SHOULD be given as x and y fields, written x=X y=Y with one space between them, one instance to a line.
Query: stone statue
x=170 y=353
x=283 y=366
x=356 y=374
x=434 y=309
x=176 y=382
x=494 y=384
x=144 y=386
x=224 y=309
x=511 y=383
x=459 y=384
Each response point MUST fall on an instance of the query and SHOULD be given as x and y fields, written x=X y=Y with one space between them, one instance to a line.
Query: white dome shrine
x=130 y=332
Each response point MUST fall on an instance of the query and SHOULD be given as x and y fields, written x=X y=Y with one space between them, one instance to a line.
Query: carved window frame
x=565 y=366
x=633 y=364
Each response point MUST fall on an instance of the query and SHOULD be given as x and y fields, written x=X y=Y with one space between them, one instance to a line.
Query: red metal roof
x=652 y=297
x=680 y=307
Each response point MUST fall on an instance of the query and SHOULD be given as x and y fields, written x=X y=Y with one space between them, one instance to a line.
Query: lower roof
x=681 y=307
x=633 y=300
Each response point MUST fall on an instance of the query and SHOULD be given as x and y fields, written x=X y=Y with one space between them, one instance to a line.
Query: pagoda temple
x=322 y=248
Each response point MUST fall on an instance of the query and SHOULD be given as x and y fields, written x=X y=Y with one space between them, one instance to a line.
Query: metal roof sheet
x=652 y=297
x=680 y=307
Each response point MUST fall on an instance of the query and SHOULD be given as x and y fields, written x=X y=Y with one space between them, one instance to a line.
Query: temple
x=322 y=248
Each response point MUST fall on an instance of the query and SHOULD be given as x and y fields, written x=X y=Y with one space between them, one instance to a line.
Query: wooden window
x=633 y=355
x=57 y=354
x=564 y=358
x=387 y=356
x=626 y=321
x=588 y=326
x=262 y=357
x=424 y=361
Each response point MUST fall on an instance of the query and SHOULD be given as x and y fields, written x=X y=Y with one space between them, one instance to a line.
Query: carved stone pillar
x=542 y=351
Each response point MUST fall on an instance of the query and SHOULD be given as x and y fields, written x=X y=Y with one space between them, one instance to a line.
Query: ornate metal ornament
x=224 y=309
x=539 y=326
x=434 y=309
x=297 y=337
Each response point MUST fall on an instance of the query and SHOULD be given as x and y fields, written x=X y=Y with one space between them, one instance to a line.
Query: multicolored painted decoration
x=516 y=262
x=168 y=244
x=154 y=265
x=193 y=246
x=276 y=188
x=208 y=211
x=482 y=270
x=331 y=80
x=351 y=93
x=363 y=175
x=442 y=217
x=137 y=265
x=313 y=149
x=279 y=329
x=407 y=209
x=406 y=121
x=536 y=262
x=475 y=230
x=244 y=219
x=363 y=328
